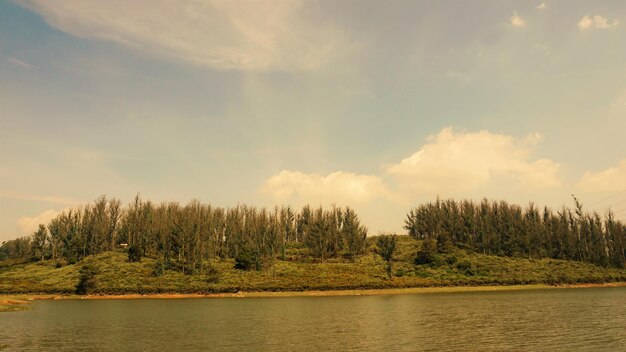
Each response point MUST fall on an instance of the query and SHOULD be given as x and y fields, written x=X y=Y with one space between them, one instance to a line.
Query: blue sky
x=372 y=104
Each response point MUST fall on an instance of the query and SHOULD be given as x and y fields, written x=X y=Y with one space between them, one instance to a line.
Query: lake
x=590 y=319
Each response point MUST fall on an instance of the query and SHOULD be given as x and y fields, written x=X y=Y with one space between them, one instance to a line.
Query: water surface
x=565 y=319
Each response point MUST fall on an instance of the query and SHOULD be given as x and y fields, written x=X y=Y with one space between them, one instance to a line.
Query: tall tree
x=40 y=242
x=386 y=248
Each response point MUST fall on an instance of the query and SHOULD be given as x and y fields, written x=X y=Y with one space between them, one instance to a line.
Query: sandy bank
x=14 y=300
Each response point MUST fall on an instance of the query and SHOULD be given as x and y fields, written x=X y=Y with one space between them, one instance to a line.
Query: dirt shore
x=19 y=302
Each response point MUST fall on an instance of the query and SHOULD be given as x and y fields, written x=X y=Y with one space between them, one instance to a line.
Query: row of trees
x=186 y=237
x=509 y=230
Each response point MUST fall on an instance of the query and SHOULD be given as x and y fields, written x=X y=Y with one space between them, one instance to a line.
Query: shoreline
x=15 y=302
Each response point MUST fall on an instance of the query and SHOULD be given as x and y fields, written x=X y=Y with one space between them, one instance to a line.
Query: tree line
x=187 y=237
x=499 y=228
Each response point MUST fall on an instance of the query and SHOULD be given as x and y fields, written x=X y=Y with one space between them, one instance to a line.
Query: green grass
x=300 y=272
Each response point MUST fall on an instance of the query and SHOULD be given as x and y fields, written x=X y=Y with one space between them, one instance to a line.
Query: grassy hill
x=115 y=275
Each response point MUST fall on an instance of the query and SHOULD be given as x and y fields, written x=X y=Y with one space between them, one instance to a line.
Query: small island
x=102 y=249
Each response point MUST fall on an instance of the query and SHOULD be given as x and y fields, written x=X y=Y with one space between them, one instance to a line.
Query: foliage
x=87 y=282
x=134 y=254
x=354 y=235
x=199 y=247
x=185 y=237
x=427 y=253
x=39 y=242
x=212 y=275
x=245 y=260
x=504 y=229
x=386 y=247
x=116 y=275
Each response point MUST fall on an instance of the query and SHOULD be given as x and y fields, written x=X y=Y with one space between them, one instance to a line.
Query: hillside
x=113 y=274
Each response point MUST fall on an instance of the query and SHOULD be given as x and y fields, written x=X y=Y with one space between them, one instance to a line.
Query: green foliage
x=427 y=253
x=509 y=230
x=40 y=242
x=17 y=248
x=246 y=260
x=159 y=269
x=114 y=274
x=444 y=243
x=386 y=248
x=466 y=267
x=354 y=235
x=88 y=281
x=305 y=245
x=212 y=275
x=134 y=253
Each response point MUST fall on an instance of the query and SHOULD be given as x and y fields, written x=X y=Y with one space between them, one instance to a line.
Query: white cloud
x=463 y=161
x=29 y=225
x=517 y=21
x=234 y=34
x=20 y=63
x=451 y=163
x=541 y=6
x=337 y=187
x=595 y=22
x=611 y=179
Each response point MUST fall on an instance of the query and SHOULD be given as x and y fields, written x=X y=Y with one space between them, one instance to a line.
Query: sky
x=377 y=105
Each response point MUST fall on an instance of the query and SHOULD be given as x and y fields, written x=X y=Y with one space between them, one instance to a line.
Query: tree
x=87 y=282
x=386 y=248
x=318 y=235
x=40 y=241
x=354 y=235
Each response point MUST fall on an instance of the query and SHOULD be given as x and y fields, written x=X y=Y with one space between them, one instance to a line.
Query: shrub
x=88 y=281
x=134 y=253
x=159 y=269
x=427 y=253
x=466 y=267
x=245 y=261
x=452 y=259
x=212 y=275
x=386 y=247
x=444 y=243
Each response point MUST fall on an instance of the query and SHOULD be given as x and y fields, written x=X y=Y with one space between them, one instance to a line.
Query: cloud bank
x=463 y=161
x=451 y=163
x=234 y=34
x=611 y=179
x=29 y=225
x=337 y=187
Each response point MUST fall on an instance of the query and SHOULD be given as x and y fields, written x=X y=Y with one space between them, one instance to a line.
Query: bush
x=426 y=255
x=466 y=267
x=88 y=281
x=245 y=261
x=134 y=253
x=452 y=259
x=212 y=275
x=444 y=243
x=159 y=269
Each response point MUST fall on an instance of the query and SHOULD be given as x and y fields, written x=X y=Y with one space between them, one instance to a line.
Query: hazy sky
x=377 y=104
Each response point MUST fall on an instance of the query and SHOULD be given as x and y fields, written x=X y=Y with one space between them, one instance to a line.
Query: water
x=541 y=320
